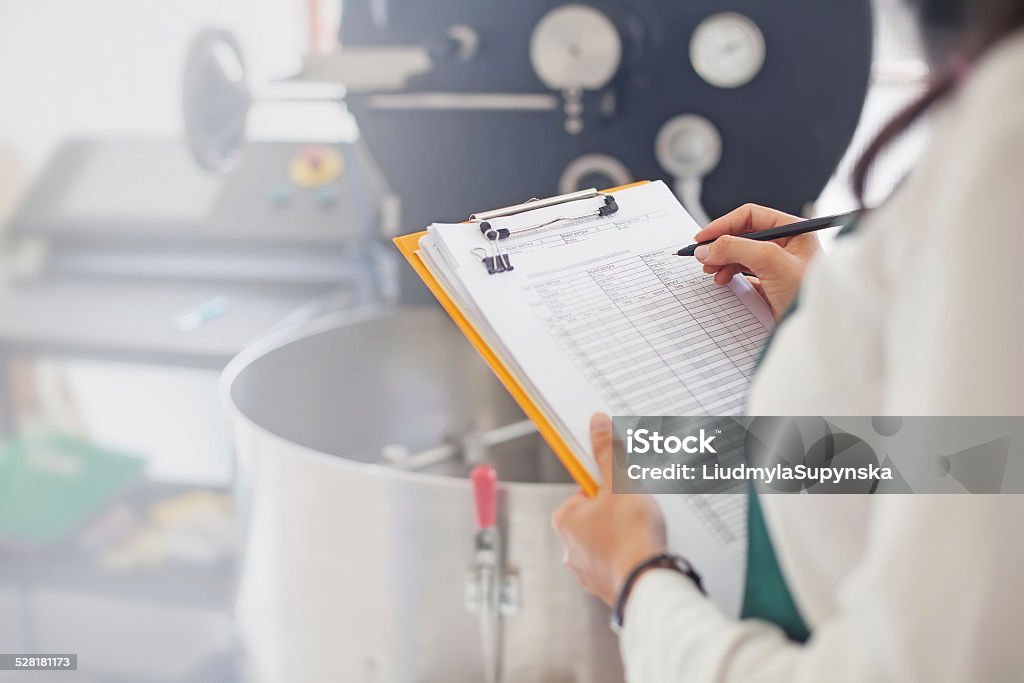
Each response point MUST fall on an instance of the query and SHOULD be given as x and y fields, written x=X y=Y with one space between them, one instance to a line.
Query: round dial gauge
x=727 y=50
x=688 y=146
x=575 y=47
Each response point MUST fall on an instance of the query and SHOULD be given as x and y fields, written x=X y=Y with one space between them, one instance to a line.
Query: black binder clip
x=609 y=207
x=498 y=262
x=493 y=234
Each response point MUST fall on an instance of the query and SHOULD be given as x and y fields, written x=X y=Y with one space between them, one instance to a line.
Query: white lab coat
x=918 y=313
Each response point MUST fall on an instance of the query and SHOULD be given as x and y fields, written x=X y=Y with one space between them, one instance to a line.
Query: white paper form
x=605 y=317
x=601 y=315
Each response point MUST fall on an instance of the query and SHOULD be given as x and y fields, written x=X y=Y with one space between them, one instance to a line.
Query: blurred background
x=186 y=183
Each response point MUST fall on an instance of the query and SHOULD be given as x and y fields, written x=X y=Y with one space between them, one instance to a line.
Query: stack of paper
x=599 y=314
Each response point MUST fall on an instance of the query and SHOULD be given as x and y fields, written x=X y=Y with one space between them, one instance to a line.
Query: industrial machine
x=470 y=105
x=124 y=250
x=356 y=435
x=537 y=97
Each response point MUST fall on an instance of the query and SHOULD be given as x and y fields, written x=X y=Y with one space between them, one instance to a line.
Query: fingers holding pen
x=777 y=266
x=737 y=253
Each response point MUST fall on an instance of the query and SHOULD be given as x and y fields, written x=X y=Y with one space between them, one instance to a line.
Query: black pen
x=790 y=230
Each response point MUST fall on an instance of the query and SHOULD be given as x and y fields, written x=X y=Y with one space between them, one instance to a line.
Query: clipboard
x=409 y=245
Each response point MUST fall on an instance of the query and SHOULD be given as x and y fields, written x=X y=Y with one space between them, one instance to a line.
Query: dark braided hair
x=984 y=24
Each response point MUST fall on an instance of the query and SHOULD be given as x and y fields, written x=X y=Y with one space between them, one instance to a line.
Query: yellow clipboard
x=409 y=245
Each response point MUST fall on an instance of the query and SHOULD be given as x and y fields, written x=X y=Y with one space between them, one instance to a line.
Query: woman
x=917 y=311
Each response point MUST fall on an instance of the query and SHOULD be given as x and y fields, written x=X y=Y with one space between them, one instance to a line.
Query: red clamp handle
x=485 y=495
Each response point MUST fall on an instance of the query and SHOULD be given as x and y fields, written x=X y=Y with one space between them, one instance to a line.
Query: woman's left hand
x=607 y=535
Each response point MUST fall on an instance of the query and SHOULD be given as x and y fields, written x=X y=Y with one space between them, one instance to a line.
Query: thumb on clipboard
x=606 y=536
x=601 y=436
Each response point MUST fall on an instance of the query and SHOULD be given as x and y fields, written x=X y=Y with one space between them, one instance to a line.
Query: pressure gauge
x=727 y=50
x=575 y=47
x=688 y=146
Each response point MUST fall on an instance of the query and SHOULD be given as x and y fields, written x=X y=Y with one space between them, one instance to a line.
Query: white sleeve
x=938 y=594
x=937 y=597
x=957 y=319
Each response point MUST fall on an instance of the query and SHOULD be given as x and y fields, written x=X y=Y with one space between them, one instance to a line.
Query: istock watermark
x=877 y=455
x=646 y=441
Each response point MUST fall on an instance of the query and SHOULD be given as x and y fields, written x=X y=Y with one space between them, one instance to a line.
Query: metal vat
x=356 y=570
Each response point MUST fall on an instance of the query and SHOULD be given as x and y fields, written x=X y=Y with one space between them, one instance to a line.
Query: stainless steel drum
x=354 y=440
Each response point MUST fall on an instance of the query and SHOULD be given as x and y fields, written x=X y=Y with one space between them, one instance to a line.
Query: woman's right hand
x=778 y=266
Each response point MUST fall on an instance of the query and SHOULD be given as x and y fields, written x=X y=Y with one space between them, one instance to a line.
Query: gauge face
x=575 y=47
x=727 y=50
x=593 y=170
x=688 y=146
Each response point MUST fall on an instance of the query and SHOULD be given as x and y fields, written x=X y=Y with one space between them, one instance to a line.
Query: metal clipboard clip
x=497 y=260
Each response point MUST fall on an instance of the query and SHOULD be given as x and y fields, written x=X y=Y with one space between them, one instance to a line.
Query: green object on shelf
x=51 y=484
